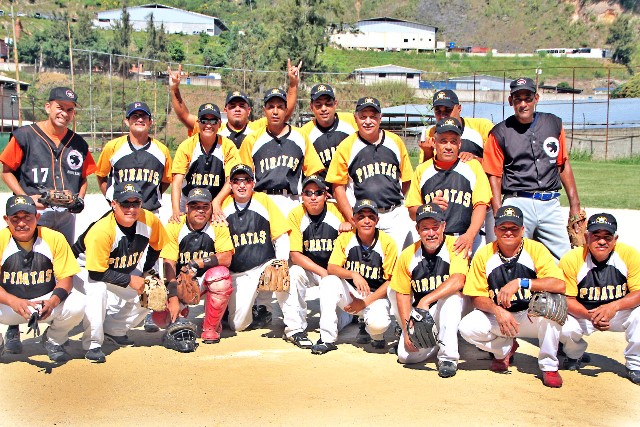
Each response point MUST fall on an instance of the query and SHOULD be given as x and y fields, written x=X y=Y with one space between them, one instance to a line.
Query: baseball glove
x=577 y=237
x=548 y=305
x=180 y=336
x=62 y=198
x=154 y=295
x=275 y=277
x=422 y=329
x=188 y=287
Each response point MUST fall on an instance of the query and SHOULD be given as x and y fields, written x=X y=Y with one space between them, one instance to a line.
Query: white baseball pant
x=303 y=279
x=399 y=226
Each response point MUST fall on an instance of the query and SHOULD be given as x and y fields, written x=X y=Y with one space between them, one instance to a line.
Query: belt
x=535 y=195
x=389 y=209
x=279 y=192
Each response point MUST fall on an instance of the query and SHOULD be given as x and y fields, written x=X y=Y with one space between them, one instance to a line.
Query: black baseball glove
x=422 y=329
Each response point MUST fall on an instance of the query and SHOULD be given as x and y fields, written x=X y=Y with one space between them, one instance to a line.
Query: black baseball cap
x=236 y=94
x=316 y=180
x=63 y=94
x=138 y=106
x=602 y=221
x=430 y=210
x=241 y=168
x=199 y=195
x=509 y=214
x=523 y=83
x=209 y=109
x=368 y=102
x=365 y=204
x=16 y=204
x=450 y=124
x=446 y=97
x=275 y=92
x=126 y=190
x=320 y=90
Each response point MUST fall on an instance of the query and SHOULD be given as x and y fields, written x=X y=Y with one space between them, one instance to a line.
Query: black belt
x=389 y=209
x=535 y=195
x=277 y=191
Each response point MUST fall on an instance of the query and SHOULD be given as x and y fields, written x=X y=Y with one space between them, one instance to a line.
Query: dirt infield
x=255 y=378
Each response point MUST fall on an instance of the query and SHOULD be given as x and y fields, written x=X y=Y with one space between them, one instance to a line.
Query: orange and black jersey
x=278 y=162
x=149 y=165
x=253 y=228
x=326 y=140
x=203 y=169
x=595 y=283
x=372 y=171
x=236 y=136
x=185 y=244
x=375 y=263
x=419 y=273
x=314 y=235
x=488 y=273
x=30 y=274
x=37 y=163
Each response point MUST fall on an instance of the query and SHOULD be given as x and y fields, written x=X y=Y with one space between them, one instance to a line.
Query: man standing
x=196 y=246
x=359 y=269
x=136 y=157
x=112 y=252
x=279 y=154
x=527 y=162
x=373 y=164
x=37 y=273
x=430 y=275
x=502 y=277
x=603 y=293
x=260 y=234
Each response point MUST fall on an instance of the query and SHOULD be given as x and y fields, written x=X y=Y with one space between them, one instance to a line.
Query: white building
x=175 y=20
x=387 y=34
x=387 y=73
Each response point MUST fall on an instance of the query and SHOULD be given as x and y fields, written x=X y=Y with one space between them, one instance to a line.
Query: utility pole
x=15 y=60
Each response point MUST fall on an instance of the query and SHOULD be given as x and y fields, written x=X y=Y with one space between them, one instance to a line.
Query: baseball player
x=111 y=252
x=195 y=244
x=430 y=274
x=359 y=269
x=136 y=157
x=260 y=234
x=475 y=131
x=460 y=188
x=280 y=154
x=603 y=293
x=328 y=128
x=502 y=277
x=527 y=163
x=315 y=224
x=237 y=107
x=203 y=161
x=37 y=273
x=48 y=156
x=373 y=164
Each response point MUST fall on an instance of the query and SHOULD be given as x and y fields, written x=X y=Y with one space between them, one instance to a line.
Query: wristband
x=525 y=283
x=193 y=266
x=210 y=261
x=61 y=293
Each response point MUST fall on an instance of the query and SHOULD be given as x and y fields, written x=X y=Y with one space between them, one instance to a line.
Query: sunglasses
x=128 y=205
x=527 y=99
x=241 y=180
x=209 y=121
x=310 y=193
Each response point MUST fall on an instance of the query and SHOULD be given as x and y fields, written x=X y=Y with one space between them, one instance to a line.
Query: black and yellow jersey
x=314 y=235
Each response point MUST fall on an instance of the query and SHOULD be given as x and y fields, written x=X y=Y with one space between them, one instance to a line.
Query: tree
x=150 y=48
x=622 y=40
x=176 y=51
x=122 y=32
x=630 y=89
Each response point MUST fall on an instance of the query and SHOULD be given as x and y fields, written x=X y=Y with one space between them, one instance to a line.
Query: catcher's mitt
x=422 y=329
x=549 y=305
x=62 y=198
x=275 y=277
x=180 y=336
x=154 y=295
x=188 y=286
x=577 y=237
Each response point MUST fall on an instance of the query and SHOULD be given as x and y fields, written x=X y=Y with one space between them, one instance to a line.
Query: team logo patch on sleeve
x=551 y=146
x=74 y=159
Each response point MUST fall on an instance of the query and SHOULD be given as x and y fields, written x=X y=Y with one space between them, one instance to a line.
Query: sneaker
x=149 y=324
x=363 y=336
x=447 y=369
x=551 y=379
x=300 y=339
x=56 y=352
x=121 y=340
x=95 y=355
x=570 y=364
x=261 y=317
x=12 y=343
x=323 y=347
x=586 y=358
x=378 y=344
x=502 y=365
x=633 y=375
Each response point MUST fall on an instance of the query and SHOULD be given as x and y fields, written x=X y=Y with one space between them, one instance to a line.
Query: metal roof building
x=175 y=20
x=386 y=73
x=386 y=33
